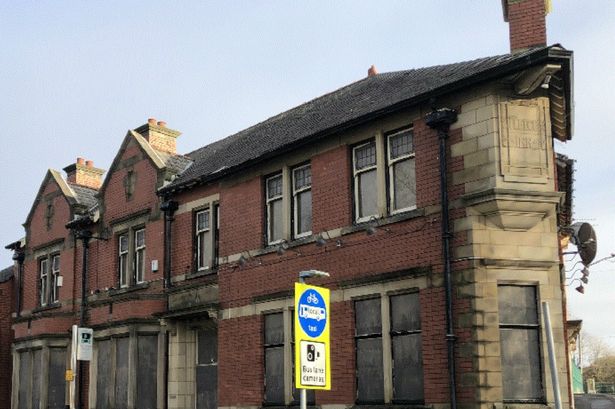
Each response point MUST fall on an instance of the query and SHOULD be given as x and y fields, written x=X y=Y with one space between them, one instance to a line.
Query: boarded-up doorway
x=207 y=369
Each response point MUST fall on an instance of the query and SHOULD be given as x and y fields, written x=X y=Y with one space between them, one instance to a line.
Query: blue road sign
x=312 y=312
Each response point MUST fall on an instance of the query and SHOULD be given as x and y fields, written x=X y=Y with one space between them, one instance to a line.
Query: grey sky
x=74 y=76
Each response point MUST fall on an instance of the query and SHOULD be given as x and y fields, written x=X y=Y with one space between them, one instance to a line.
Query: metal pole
x=303 y=392
x=85 y=238
x=551 y=348
x=73 y=365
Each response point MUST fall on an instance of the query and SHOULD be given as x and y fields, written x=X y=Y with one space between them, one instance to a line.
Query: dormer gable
x=56 y=202
x=149 y=138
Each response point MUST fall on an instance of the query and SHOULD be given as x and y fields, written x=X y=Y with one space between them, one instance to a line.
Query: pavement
x=594 y=401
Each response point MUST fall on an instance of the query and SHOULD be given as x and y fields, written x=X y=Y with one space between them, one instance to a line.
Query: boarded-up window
x=37 y=357
x=56 y=383
x=519 y=338
x=121 y=372
x=207 y=369
x=25 y=373
x=147 y=364
x=274 y=359
x=33 y=386
x=103 y=374
x=406 y=348
x=368 y=338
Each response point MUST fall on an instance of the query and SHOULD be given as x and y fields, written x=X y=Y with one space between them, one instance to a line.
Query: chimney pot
x=162 y=124
x=89 y=163
x=372 y=71
x=151 y=121
x=80 y=161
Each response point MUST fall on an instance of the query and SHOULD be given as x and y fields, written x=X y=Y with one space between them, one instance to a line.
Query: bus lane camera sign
x=312 y=358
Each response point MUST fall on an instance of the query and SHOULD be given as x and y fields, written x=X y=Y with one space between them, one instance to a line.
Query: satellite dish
x=584 y=237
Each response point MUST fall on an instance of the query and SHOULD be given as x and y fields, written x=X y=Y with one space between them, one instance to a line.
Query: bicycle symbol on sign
x=312 y=299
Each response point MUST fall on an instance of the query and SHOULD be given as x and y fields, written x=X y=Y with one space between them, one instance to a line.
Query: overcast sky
x=74 y=76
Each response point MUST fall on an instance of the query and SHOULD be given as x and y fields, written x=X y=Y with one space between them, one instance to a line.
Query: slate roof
x=175 y=163
x=348 y=106
x=6 y=274
x=85 y=196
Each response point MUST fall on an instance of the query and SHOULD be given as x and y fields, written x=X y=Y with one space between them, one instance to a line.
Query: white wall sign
x=85 y=340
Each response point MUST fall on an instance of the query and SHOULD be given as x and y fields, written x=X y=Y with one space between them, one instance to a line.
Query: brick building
x=430 y=196
x=7 y=292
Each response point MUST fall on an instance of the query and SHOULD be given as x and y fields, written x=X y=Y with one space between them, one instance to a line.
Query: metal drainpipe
x=168 y=207
x=441 y=120
x=85 y=236
x=19 y=256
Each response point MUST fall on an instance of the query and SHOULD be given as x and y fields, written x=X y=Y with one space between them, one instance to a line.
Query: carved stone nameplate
x=524 y=144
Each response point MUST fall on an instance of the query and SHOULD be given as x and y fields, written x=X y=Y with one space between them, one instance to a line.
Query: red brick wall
x=240 y=361
x=104 y=254
x=527 y=25
x=116 y=204
x=44 y=325
x=331 y=190
x=125 y=309
x=7 y=305
x=183 y=230
x=403 y=246
x=241 y=217
x=407 y=244
x=38 y=232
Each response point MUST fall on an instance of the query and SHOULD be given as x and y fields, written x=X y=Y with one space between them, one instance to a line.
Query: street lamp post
x=303 y=275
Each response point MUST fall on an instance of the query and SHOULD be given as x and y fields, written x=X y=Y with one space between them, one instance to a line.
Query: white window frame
x=55 y=274
x=269 y=204
x=356 y=173
x=296 y=193
x=43 y=281
x=200 y=236
x=391 y=164
x=123 y=261
x=139 y=272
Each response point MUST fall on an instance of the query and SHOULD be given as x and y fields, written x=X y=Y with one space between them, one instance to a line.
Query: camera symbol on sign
x=312 y=355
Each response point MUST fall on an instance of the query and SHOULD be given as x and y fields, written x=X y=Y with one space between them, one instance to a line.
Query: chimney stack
x=83 y=173
x=526 y=23
x=372 y=71
x=160 y=137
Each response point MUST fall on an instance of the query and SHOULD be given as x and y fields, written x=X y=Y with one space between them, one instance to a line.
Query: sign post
x=312 y=323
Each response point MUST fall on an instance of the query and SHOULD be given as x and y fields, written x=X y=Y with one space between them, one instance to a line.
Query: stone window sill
x=202 y=273
x=47 y=307
x=130 y=289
